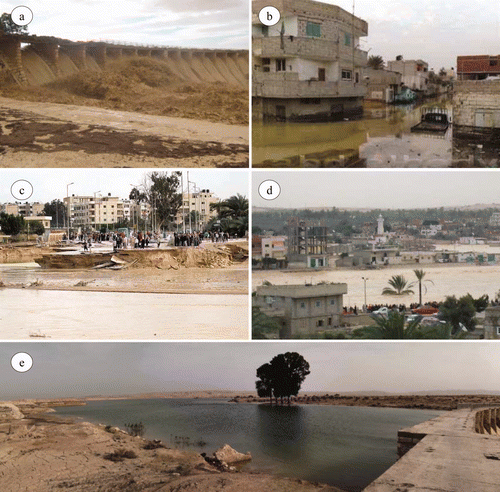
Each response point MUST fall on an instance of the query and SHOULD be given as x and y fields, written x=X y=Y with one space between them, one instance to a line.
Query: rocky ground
x=44 y=453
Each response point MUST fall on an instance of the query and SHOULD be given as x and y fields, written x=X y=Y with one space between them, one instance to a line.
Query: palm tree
x=376 y=62
x=420 y=278
x=394 y=327
x=400 y=287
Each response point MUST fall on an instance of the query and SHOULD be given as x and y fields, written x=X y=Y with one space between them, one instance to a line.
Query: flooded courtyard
x=381 y=138
x=447 y=280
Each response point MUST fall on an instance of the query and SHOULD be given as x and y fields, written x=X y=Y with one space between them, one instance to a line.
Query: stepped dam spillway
x=34 y=60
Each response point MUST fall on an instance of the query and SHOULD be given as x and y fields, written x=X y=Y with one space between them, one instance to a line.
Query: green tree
x=11 y=224
x=400 y=286
x=34 y=227
x=162 y=192
x=7 y=26
x=420 y=274
x=481 y=303
x=282 y=377
x=57 y=210
x=458 y=312
x=232 y=215
x=263 y=326
x=394 y=327
x=376 y=62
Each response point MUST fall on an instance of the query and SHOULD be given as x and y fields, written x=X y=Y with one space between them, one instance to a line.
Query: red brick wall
x=479 y=63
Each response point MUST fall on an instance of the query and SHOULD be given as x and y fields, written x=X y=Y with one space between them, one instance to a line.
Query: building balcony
x=308 y=48
x=287 y=85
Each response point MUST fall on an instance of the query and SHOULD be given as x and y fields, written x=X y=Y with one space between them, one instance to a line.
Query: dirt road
x=36 y=134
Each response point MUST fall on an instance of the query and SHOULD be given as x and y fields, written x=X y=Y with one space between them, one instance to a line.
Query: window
x=347 y=39
x=346 y=75
x=280 y=65
x=266 y=61
x=265 y=31
x=318 y=303
x=319 y=322
x=313 y=30
x=329 y=321
x=321 y=74
x=332 y=302
x=302 y=305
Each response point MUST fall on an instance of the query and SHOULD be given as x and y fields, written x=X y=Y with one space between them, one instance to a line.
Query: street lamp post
x=69 y=206
x=364 y=280
x=95 y=209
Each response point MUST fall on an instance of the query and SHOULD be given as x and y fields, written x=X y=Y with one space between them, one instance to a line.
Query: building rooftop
x=302 y=291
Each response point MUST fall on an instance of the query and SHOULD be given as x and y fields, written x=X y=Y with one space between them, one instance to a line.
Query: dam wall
x=457 y=451
x=33 y=60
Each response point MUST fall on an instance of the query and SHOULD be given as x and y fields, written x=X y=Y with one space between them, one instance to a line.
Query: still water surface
x=382 y=137
x=347 y=447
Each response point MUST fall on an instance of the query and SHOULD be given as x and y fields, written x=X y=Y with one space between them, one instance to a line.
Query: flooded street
x=69 y=315
x=382 y=138
x=454 y=279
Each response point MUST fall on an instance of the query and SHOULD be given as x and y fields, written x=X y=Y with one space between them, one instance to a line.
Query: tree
x=7 y=26
x=34 y=227
x=420 y=274
x=481 y=303
x=263 y=325
x=11 y=224
x=161 y=191
x=394 y=327
x=57 y=210
x=458 y=312
x=400 y=287
x=376 y=62
x=282 y=377
x=232 y=215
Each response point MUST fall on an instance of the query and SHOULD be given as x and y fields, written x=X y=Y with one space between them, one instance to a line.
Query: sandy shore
x=41 y=452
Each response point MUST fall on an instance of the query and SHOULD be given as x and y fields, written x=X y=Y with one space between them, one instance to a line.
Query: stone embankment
x=457 y=451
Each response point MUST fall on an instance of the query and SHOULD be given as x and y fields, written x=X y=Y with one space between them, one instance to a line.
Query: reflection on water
x=347 y=447
x=117 y=315
x=382 y=138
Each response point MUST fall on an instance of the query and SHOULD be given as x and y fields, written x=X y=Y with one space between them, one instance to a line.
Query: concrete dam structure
x=33 y=60
x=458 y=451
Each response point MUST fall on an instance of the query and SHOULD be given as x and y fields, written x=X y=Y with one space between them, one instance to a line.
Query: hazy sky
x=80 y=369
x=190 y=23
x=49 y=184
x=380 y=189
x=430 y=30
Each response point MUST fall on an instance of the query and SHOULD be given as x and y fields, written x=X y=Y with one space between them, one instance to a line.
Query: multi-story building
x=477 y=67
x=302 y=309
x=92 y=211
x=198 y=202
x=274 y=247
x=307 y=243
x=24 y=209
x=414 y=73
x=307 y=67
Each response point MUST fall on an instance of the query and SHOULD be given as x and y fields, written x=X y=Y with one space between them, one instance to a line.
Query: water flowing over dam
x=33 y=60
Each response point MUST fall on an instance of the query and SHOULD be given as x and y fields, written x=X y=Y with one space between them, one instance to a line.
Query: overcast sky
x=380 y=189
x=49 y=184
x=83 y=369
x=430 y=30
x=189 y=23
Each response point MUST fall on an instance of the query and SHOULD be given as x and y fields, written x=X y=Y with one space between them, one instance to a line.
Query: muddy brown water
x=382 y=138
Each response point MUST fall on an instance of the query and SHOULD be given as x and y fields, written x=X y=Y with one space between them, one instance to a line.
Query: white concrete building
x=414 y=73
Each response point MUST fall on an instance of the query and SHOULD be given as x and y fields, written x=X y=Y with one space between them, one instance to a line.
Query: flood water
x=347 y=447
x=382 y=138
x=59 y=314
x=445 y=280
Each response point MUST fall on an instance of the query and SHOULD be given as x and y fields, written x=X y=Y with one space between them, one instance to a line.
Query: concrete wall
x=476 y=103
x=46 y=59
